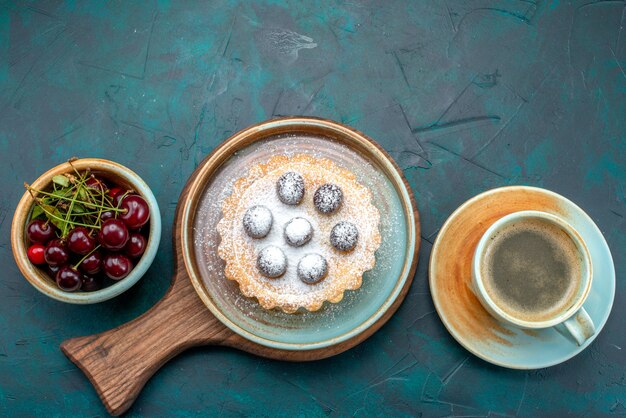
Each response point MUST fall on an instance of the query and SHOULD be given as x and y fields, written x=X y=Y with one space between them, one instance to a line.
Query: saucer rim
x=512 y=365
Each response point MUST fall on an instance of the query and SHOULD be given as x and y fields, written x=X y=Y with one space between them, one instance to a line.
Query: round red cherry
x=69 y=279
x=39 y=231
x=53 y=270
x=80 y=241
x=136 y=211
x=136 y=245
x=117 y=266
x=113 y=234
x=36 y=254
x=92 y=263
x=91 y=283
x=114 y=191
x=117 y=199
x=107 y=215
x=56 y=253
x=95 y=183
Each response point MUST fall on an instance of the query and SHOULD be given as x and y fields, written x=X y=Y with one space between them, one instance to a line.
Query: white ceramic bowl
x=117 y=174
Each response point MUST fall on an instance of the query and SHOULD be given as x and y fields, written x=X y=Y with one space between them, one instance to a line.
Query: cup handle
x=580 y=326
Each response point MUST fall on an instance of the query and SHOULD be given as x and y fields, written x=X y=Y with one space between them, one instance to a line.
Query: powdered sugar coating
x=272 y=262
x=298 y=231
x=290 y=188
x=344 y=236
x=258 y=221
x=289 y=293
x=328 y=197
x=312 y=268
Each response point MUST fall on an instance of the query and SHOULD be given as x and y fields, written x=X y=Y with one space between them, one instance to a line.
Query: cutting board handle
x=120 y=361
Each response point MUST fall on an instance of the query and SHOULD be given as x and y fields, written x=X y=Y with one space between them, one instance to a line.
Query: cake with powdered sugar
x=298 y=231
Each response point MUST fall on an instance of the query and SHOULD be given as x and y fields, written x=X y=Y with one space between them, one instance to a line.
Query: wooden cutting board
x=120 y=361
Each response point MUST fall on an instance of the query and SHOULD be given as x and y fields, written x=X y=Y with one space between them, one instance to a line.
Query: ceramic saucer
x=461 y=312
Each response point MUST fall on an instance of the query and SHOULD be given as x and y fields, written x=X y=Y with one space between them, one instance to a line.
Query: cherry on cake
x=298 y=231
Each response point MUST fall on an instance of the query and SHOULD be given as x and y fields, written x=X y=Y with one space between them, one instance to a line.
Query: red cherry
x=80 y=241
x=94 y=183
x=136 y=245
x=39 y=231
x=107 y=215
x=36 y=254
x=69 y=279
x=92 y=264
x=56 y=253
x=117 y=266
x=53 y=270
x=113 y=235
x=117 y=199
x=114 y=191
x=91 y=283
x=136 y=211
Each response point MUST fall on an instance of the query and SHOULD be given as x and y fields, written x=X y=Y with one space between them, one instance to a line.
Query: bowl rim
x=40 y=280
x=333 y=130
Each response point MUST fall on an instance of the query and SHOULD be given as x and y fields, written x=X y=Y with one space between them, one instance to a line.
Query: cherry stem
x=122 y=198
x=75 y=203
x=75 y=200
x=75 y=266
x=63 y=220
x=69 y=211
x=98 y=222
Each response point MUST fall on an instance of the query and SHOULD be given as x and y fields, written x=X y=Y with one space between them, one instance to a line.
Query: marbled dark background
x=466 y=95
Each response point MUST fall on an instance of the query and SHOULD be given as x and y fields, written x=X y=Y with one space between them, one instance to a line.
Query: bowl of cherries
x=86 y=231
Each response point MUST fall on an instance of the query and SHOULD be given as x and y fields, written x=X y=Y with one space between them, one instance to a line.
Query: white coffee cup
x=573 y=316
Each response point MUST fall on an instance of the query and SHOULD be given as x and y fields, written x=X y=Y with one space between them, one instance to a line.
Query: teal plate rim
x=337 y=132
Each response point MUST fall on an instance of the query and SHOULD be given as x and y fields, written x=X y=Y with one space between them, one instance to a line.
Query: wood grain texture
x=120 y=361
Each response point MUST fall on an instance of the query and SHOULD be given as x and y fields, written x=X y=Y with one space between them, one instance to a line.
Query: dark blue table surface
x=465 y=95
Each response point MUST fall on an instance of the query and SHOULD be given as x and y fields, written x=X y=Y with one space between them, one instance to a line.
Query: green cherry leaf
x=78 y=209
x=61 y=180
x=54 y=216
x=63 y=193
x=37 y=212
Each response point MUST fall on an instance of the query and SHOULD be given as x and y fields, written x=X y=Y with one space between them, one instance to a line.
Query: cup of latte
x=532 y=270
